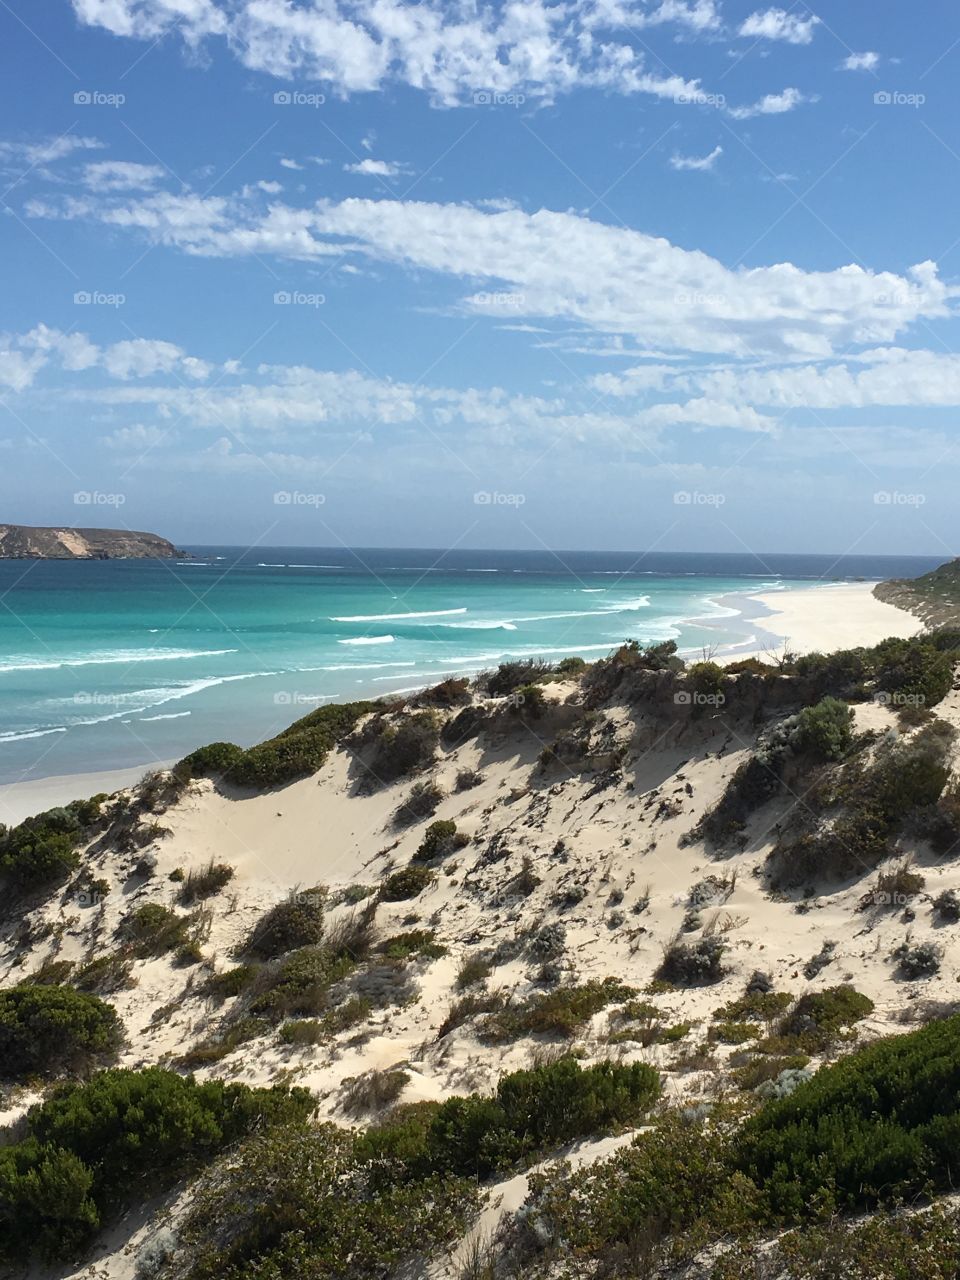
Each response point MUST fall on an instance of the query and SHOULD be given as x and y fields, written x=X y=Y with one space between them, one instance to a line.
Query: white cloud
x=138 y=438
x=868 y=61
x=49 y=150
x=778 y=24
x=271 y=188
x=287 y=163
x=542 y=48
x=699 y=164
x=23 y=356
x=376 y=168
x=121 y=175
x=556 y=266
x=773 y=104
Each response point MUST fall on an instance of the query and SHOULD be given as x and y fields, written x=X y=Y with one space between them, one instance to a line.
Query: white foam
x=170 y=715
x=34 y=733
x=112 y=658
x=368 y=640
x=399 y=617
x=480 y=626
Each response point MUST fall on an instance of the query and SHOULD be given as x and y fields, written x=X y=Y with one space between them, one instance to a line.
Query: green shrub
x=298 y=984
x=303 y=1202
x=104 y=974
x=881 y=1123
x=912 y=671
x=758 y=1006
x=373 y=1091
x=223 y=986
x=510 y=676
x=689 y=963
x=408 y=882
x=153 y=929
x=421 y=802
x=297 y=921
x=87 y=1144
x=295 y=753
x=439 y=839
x=529 y=701
x=563 y=1011
x=205 y=881
x=48 y=1030
x=43 y=849
x=473 y=969
x=406 y=747
x=825 y=730
x=417 y=942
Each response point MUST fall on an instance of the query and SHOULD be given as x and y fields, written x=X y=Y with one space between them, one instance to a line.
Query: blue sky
x=638 y=274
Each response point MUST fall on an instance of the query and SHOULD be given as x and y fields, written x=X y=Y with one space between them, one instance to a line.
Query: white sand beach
x=824 y=618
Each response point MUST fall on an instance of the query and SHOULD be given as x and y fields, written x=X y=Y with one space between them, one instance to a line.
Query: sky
x=600 y=274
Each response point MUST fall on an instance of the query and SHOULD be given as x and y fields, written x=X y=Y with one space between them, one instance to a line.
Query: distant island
x=24 y=542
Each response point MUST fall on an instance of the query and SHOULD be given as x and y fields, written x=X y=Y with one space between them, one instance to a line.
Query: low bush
x=47 y=1030
x=153 y=929
x=88 y=1144
x=408 y=882
x=205 y=881
x=946 y=905
x=439 y=839
x=467 y=779
x=819 y=1016
x=880 y=1123
x=104 y=974
x=295 y=922
x=919 y=961
x=295 y=753
x=373 y=1091
x=473 y=970
x=755 y=1006
x=450 y=693
x=304 y=1202
x=43 y=849
x=826 y=729
x=511 y=676
x=417 y=942
x=563 y=1011
x=297 y=984
x=691 y=963
x=421 y=802
x=470 y=1006
x=405 y=746
x=230 y=983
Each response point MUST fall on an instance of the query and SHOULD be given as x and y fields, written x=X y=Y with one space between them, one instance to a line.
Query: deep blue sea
x=108 y=664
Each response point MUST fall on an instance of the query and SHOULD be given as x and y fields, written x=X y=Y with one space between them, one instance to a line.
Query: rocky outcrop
x=934 y=597
x=23 y=542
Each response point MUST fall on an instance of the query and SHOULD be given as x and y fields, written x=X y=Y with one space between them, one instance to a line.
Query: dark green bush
x=562 y=1011
x=298 y=984
x=406 y=746
x=439 y=839
x=408 y=882
x=153 y=929
x=688 y=963
x=295 y=753
x=49 y=1030
x=912 y=672
x=825 y=730
x=43 y=849
x=88 y=1144
x=881 y=1123
x=510 y=676
x=295 y=922
x=205 y=881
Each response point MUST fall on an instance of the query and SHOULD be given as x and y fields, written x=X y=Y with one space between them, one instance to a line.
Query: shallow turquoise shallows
x=115 y=663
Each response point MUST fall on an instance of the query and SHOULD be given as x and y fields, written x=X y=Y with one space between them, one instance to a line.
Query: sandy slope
x=834 y=616
x=601 y=844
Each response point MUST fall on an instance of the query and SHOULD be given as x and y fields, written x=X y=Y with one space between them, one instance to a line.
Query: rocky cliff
x=23 y=542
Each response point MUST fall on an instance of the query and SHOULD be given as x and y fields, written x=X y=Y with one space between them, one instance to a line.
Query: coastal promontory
x=25 y=542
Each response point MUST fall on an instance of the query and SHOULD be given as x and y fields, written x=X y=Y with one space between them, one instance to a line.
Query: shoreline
x=821 y=617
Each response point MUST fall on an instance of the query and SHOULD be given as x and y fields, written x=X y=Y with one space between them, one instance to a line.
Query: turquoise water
x=109 y=664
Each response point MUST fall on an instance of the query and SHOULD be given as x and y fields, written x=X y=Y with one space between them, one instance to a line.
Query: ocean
x=110 y=664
